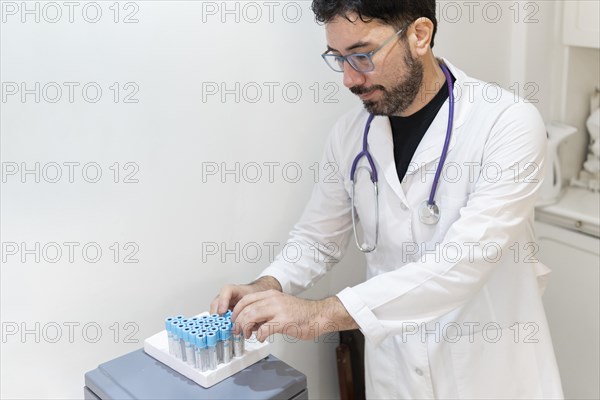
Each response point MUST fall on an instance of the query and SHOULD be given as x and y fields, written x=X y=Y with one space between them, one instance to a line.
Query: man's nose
x=352 y=77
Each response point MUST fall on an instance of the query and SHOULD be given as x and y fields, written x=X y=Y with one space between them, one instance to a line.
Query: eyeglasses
x=361 y=62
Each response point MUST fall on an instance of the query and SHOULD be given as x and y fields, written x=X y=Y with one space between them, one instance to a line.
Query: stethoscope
x=429 y=212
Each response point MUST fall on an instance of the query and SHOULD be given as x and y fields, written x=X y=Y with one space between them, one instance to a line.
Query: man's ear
x=420 y=36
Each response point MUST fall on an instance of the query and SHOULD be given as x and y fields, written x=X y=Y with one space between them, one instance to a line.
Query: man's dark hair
x=396 y=13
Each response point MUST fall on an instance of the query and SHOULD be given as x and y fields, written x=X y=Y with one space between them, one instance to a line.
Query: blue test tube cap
x=228 y=313
x=195 y=319
x=211 y=339
x=179 y=317
x=178 y=330
x=214 y=315
x=169 y=323
x=225 y=333
x=186 y=333
x=201 y=340
x=184 y=320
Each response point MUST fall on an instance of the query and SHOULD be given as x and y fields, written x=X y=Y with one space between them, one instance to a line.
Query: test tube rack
x=157 y=346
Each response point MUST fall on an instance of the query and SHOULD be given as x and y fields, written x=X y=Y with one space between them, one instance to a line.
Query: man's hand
x=229 y=295
x=269 y=312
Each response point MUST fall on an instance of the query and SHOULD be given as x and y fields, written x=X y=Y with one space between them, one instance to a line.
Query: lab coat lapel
x=431 y=146
x=381 y=146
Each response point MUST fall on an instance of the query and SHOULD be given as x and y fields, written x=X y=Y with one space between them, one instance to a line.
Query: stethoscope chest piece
x=429 y=214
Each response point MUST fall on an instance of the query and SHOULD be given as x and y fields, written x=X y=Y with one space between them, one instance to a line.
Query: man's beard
x=397 y=99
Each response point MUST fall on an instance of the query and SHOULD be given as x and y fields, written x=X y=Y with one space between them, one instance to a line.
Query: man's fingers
x=253 y=316
x=220 y=304
x=253 y=328
x=224 y=305
x=214 y=305
x=246 y=330
x=246 y=320
x=249 y=313
x=249 y=299
x=264 y=331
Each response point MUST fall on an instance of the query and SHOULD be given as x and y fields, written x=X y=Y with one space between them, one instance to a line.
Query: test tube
x=225 y=332
x=211 y=343
x=170 y=335
x=178 y=331
x=238 y=344
x=183 y=331
x=219 y=346
x=215 y=329
x=190 y=348
x=200 y=341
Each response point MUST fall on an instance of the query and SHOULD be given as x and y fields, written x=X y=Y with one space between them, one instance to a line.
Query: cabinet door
x=572 y=304
x=581 y=24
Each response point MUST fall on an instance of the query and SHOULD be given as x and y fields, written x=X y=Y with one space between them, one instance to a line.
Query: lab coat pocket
x=496 y=363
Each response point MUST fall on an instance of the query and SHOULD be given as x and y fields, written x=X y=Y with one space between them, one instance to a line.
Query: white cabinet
x=581 y=23
x=572 y=305
x=568 y=235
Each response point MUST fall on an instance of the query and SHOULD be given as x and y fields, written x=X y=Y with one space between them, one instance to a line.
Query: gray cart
x=138 y=376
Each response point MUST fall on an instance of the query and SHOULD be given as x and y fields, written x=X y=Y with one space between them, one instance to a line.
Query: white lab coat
x=451 y=310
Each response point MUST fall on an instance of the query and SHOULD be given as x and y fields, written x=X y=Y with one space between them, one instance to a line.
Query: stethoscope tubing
x=438 y=170
x=430 y=203
x=365 y=153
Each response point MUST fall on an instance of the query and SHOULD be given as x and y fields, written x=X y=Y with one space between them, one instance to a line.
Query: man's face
x=395 y=82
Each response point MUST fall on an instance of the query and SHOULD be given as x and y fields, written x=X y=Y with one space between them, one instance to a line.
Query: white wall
x=171 y=55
